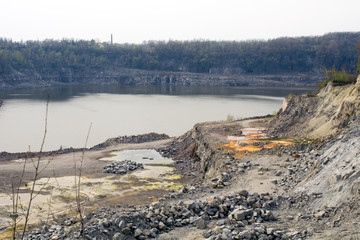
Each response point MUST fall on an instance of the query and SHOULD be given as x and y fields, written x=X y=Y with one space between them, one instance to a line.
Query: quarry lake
x=117 y=110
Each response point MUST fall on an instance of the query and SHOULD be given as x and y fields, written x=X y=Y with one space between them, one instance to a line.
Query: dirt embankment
x=317 y=116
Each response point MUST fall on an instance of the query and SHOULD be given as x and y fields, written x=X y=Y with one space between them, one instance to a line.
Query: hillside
x=267 y=63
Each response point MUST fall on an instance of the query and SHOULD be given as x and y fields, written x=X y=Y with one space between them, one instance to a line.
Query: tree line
x=281 y=55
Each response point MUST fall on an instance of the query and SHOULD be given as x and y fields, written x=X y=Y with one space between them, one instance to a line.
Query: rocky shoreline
x=126 y=76
x=149 y=137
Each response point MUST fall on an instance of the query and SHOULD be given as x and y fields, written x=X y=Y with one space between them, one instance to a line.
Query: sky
x=136 y=21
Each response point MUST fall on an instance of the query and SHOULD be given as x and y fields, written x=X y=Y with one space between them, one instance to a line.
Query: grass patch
x=230 y=118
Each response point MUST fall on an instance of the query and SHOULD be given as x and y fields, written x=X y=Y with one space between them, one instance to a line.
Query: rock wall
x=30 y=79
x=195 y=146
x=201 y=144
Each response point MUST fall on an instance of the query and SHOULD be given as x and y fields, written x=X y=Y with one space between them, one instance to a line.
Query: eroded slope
x=313 y=117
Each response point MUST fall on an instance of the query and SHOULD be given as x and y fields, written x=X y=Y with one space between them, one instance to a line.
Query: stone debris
x=232 y=216
x=122 y=167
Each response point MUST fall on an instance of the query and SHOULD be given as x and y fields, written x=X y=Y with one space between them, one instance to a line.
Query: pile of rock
x=149 y=137
x=49 y=232
x=122 y=167
x=233 y=216
x=222 y=180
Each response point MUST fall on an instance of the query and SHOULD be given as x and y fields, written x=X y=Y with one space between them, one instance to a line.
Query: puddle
x=144 y=156
x=252 y=139
x=58 y=193
x=155 y=165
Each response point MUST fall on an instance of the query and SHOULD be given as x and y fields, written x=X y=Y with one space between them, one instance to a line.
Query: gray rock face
x=126 y=76
x=338 y=171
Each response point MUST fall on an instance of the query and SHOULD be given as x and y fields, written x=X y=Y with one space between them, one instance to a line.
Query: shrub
x=230 y=117
x=289 y=95
x=311 y=94
x=338 y=78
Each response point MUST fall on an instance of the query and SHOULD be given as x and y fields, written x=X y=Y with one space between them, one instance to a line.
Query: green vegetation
x=282 y=55
x=289 y=96
x=230 y=117
x=358 y=50
x=311 y=94
x=341 y=77
x=337 y=77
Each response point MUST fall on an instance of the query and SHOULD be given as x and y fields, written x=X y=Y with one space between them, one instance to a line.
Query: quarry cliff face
x=125 y=76
x=318 y=116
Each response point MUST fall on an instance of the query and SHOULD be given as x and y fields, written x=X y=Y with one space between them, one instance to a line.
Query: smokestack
x=111 y=39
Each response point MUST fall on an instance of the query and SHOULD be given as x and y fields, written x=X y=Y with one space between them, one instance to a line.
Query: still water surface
x=122 y=110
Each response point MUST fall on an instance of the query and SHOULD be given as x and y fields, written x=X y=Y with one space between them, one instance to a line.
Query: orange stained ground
x=253 y=139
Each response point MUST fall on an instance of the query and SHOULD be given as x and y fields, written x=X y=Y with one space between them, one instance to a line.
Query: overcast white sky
x=139 y=20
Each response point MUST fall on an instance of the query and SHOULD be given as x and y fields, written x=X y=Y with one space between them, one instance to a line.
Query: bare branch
x=78 y=183
x=36 y=166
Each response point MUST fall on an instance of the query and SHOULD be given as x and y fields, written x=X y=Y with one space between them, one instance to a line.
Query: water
x=122 y=110
x=144 y=156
